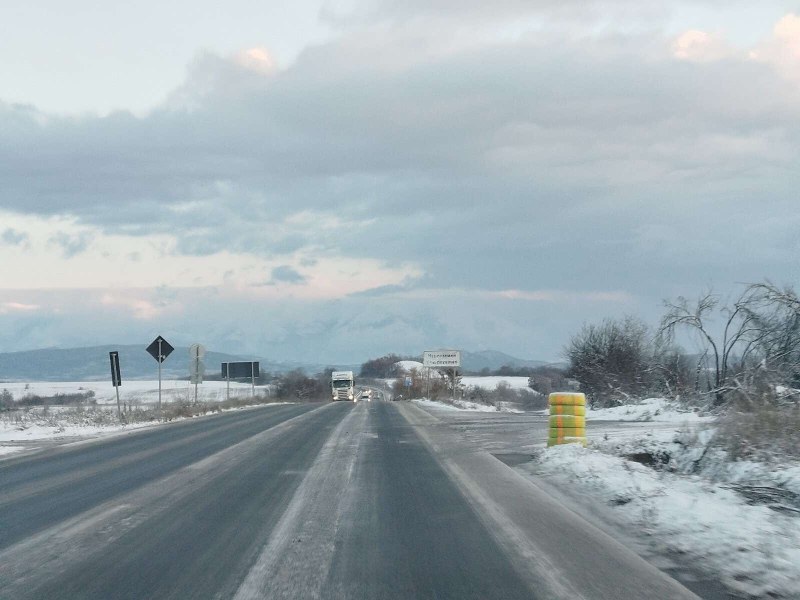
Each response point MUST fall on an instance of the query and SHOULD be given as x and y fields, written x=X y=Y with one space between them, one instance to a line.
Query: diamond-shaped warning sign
x=160 y=349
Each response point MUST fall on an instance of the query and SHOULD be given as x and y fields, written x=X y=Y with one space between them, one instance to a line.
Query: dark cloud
x=70 y=245
x=286 y=274
x=14 y=237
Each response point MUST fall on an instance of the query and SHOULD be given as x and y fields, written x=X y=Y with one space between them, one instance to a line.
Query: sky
x=330 y=181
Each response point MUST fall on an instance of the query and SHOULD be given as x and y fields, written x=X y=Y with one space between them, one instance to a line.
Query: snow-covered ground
x=131 y=391
x=464 y=405
x=36 y=427
x=650 y=409
x=410 y=365
x=20 y=430
x=754 y=548
x=490 y=382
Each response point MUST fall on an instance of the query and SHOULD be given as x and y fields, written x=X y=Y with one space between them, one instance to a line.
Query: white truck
x=343 y=385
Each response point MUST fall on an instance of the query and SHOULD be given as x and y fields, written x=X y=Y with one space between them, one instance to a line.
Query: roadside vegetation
x=438 y=385
x=738 y=361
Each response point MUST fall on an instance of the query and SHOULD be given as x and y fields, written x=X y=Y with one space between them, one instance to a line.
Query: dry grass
x=107 y=415
x=765 y=433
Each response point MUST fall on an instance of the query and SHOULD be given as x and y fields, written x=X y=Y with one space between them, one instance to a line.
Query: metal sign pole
x=228 y=381
x=160 y=358
x=427 y=382
x=197 y=371
x=116 y=387
x=253 y=377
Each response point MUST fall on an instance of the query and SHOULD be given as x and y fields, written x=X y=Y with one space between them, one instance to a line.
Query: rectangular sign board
x=442 y=358
x=240 y=370
x=116 y=379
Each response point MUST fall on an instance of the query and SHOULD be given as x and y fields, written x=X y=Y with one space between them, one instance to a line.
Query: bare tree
x=730 y=352
x=777 y=312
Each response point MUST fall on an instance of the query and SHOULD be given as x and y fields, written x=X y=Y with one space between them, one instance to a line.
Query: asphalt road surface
x=367 y=500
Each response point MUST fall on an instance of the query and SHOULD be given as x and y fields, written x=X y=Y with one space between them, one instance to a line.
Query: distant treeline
x=385 y=367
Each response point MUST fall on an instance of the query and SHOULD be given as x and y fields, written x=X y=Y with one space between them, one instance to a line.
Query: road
x=367 y=500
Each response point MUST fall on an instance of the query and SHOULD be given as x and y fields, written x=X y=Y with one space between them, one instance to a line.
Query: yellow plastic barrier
x=567 y=418
x=566 y=399
x=568 y=432
x=557 y=421
x=560 y=409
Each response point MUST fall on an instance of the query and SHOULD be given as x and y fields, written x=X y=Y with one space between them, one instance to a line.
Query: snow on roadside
x=490 y=382
x=67 y=423
x=463 y=405
x=62 y=424
x=755 y=549
x=650 y=409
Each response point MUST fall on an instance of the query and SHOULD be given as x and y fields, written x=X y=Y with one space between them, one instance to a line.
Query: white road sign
x=442 y=358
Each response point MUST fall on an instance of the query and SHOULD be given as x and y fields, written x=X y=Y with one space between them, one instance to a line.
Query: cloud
x=343 y=14
x=701 y=46
x=286 y=274
x=15 y=238
x=782 y=48
x=15 y=307
x=71 y=245
x=256 y=59
x=624 y=162
x=145 y=309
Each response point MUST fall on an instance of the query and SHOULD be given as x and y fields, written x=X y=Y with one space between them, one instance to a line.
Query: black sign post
x=159 y=349
x=116 y=379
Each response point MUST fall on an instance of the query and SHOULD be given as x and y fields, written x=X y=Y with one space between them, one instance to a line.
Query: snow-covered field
x=19 y=430
x=132 y=391
x=463 y=405
x=490 y=382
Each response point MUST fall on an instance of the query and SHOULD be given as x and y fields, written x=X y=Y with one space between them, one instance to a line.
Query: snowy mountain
x=91 y=364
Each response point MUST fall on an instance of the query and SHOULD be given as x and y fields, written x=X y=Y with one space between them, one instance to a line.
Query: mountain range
x=92 y=364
